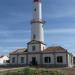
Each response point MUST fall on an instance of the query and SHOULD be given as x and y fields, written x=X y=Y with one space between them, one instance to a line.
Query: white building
x=3 y=60
x=36 y=52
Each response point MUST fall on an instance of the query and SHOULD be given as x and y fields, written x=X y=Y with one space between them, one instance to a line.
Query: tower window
x=34 y=36
x=47 y=59
x=60 y=59
x=35 y=9
x=33 y=48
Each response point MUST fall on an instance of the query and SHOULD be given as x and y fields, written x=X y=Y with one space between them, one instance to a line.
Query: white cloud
x=14 y=40
x=14 y=31
x=48 y=31
x=59 y=9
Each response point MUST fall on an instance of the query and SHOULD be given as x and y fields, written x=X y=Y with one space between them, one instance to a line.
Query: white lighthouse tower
x=37 y=32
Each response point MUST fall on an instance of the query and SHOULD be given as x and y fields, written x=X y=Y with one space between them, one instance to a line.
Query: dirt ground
x=3 y=71
x=66 y=71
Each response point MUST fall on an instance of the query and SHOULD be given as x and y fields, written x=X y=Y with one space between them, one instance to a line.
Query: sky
x=15 y=27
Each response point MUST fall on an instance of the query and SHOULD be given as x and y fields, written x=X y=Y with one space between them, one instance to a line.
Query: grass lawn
x=34 y=71
x=37 y=71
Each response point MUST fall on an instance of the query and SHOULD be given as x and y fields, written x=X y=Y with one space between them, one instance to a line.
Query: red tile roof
x=22 y=50
x=49 y=49
x=55 y=49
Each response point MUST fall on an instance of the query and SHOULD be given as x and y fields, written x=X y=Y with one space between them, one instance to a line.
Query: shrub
x=29 y=71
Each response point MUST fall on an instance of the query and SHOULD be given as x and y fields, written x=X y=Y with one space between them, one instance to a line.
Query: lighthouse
x=37 y=32
x=36 y=53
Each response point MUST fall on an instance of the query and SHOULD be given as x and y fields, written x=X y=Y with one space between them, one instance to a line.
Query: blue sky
x=15 y=17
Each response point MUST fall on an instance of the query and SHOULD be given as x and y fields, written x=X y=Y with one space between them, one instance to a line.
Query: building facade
x=51 y=57
x=36 y=52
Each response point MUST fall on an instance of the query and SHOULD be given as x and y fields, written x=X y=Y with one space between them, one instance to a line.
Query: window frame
x=22 y=59
x=47 y=59
x=34 y=36
x=59 y=59
x=33 y=48
x=35 y=9
x=13 y=59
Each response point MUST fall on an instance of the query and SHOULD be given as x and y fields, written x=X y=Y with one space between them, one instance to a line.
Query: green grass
x=32 y=71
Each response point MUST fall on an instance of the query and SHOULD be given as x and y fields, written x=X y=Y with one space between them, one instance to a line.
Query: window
x=60 y=59
x=35 y=9
x=13 y=60
x=22 y=59
x=33 y=48
x=34 y=36
x=47 y=59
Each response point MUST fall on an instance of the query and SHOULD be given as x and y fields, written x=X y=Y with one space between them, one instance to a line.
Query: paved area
x=4 y=70
x=10 y=69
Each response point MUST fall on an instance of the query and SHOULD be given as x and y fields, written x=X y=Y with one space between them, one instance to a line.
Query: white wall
x=38 y=31
x=54 y=58
x=43 y=47
x=64 y=57
x=70 y=63
x=70 y=60
x=48 y=55
x=11 y=56
x=19 y=59
x=38 y=13
x=37 y=28
x=37 y=47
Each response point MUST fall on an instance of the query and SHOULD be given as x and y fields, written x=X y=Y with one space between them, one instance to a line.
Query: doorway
x=34 y=62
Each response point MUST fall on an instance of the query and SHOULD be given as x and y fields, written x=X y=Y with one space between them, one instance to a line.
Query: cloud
x=14 y=31
x=7 y=50
x=14 y=34
x=14 y=40
x=59 y=8
x=49 y=31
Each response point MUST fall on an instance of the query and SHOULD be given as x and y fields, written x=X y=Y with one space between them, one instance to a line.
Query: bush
x=29 y=71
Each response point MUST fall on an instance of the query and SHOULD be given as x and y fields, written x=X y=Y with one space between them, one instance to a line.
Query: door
x=34 y=62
